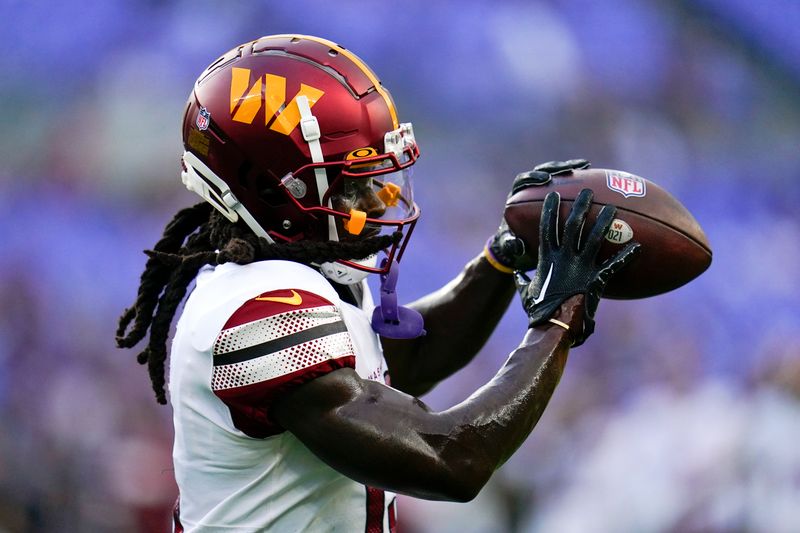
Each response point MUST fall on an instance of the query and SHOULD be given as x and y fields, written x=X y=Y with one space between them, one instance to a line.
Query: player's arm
x=382 y=437
x=460 y=317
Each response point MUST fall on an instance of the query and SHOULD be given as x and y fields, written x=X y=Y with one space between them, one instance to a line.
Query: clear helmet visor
x=373 y=196
x=377 y=204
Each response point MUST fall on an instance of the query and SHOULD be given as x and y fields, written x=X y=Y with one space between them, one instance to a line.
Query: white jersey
x=249 y=334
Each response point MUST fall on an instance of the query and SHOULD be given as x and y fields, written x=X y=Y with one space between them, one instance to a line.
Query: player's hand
x=568 y=265
x=505 y=248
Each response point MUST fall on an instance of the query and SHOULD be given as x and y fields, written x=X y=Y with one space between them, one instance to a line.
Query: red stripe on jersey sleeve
x=273 y=303
x=249 y=405
x=393 y=516
x=375 y=506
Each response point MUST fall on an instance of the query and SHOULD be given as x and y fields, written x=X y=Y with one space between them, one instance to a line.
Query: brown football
x=674 y=248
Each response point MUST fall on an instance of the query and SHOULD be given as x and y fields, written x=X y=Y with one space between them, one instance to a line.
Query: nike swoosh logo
x=294 y=299
x=538 y=299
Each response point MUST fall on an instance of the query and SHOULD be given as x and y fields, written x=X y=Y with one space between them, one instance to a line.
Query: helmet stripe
x=360 y=64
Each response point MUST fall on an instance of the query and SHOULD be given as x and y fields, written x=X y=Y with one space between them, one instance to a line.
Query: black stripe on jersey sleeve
x=281 y=343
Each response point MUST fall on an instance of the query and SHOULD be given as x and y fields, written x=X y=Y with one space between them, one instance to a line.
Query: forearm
x=459 y=318
x=492 y=423
x=498 y=417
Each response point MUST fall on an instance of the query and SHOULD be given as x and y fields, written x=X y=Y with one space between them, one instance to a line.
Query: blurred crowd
x=681 y=413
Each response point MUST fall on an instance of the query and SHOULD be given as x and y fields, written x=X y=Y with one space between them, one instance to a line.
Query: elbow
x=465 y=480
x=463 y=465
x=465 y=494
x=459 y=480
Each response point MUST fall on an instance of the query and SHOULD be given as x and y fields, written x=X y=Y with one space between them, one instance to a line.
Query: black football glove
x=567 y=267
x=506 y=248
x=554 y=168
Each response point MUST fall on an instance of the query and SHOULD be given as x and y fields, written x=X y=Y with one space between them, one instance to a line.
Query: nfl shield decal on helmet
x=203 y=118
x=626 y=184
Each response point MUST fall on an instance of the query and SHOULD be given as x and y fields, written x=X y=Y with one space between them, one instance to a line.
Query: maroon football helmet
x=296 y=136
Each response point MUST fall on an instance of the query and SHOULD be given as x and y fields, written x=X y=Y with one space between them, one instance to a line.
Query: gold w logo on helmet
x=246 y=100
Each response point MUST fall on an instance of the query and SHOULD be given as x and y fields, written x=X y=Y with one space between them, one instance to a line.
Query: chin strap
x=347 y=275
x=309 y=127
x=391 y=320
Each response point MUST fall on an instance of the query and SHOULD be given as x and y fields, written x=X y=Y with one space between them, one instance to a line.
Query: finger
x=549 y=167
x=576 y=218
x=578 y=164
x=561 y=167
x=512 y=246
x=548 y=223
x=595 y=238
x=531 y=178
x=613 y=265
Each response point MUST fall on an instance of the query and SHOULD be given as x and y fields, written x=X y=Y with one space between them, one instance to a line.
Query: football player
x=284 y=415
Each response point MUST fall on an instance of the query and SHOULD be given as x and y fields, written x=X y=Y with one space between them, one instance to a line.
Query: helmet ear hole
x=273 y=197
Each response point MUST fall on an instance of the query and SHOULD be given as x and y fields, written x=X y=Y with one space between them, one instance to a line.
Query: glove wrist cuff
x=493 y=260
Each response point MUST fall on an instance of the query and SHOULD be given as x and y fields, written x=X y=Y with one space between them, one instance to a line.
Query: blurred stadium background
x=682 y=414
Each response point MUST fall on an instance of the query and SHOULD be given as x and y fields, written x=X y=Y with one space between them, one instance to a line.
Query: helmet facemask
x=371 y=195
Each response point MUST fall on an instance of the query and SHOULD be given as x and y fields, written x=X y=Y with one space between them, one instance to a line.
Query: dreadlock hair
x=191 y=240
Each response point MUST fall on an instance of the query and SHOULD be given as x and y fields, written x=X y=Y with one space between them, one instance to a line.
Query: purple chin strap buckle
x=391 y=320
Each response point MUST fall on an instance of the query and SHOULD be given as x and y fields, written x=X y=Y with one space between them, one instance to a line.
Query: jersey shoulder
x=232 y=280
x=222 y=290
x=275 y=327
